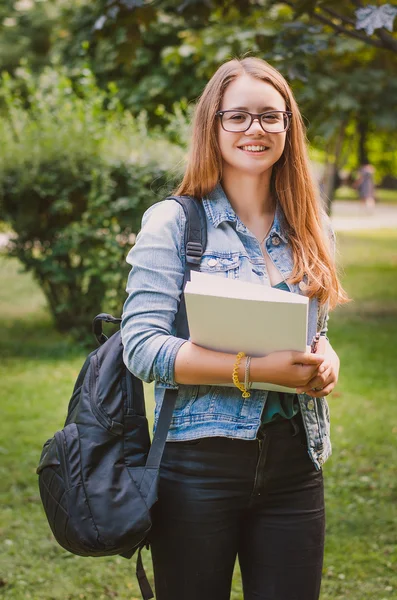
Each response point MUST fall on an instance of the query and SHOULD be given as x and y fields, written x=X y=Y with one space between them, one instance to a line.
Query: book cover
x=229 y=315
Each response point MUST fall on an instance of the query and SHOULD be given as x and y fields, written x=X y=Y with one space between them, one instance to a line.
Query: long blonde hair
x=292 y=182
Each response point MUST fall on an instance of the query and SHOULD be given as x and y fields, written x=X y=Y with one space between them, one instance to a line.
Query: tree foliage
x=354 y=19
x=159 y=55
x=77 y=172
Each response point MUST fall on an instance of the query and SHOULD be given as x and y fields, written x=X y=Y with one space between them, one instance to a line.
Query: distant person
x=365 y=185
x=241 y=474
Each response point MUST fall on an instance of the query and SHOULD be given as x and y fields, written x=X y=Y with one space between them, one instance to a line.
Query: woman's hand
x=323 y=382
x=292 y=369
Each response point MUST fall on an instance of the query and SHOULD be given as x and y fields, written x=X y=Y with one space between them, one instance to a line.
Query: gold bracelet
x=236 y=381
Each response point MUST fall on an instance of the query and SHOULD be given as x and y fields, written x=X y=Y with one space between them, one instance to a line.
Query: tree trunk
x=332 y=168
x=362 y=129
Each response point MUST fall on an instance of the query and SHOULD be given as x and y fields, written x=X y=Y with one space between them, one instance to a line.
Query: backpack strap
x=196 y=228
x=195 y=244
x=144 y=585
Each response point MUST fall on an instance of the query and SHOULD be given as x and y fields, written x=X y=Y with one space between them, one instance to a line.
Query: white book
x=229 y=315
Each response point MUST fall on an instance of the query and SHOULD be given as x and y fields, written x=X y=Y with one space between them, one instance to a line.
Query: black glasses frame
x=255 y=116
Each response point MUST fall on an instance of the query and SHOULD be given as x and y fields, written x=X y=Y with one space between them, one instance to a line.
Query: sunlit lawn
x=37 y=371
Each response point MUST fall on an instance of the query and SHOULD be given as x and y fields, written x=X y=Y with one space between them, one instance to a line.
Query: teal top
x=280 y=404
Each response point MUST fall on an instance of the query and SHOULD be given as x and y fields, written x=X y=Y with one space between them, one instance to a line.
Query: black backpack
x=98 y=476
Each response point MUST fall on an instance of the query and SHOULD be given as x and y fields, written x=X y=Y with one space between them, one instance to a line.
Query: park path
x=346 y=216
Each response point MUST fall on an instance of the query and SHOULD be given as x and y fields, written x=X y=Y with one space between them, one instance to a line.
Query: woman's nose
x=255 y=126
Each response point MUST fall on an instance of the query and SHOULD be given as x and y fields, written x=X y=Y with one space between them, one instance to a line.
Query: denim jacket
x=148 y=322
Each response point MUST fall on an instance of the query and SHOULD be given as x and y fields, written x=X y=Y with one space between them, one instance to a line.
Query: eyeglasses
x=275 y=121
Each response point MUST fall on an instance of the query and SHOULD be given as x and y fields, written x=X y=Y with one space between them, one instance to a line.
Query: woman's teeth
x=254 y=148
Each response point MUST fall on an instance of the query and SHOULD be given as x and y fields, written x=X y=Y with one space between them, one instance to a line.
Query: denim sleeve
x=154 y=288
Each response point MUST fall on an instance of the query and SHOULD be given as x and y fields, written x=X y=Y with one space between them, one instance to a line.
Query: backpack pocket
x=68 y=448
x=61 y=490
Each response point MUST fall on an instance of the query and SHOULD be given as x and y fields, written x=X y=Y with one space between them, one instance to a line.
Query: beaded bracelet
x=247 y=383
x=237 y=383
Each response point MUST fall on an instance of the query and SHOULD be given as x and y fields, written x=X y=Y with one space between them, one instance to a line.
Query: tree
x=76 y=174
x=350 y=99
x=350 y=18
x=160 y=55
x=26 y=33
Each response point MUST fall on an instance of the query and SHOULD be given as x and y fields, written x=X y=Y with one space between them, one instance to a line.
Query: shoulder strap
x=195 y=243
x=196 y=228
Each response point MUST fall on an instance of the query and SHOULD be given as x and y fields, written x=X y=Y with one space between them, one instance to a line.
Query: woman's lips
x=252 y=149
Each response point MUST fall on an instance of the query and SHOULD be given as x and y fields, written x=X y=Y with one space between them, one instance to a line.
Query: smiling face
x=254 y=151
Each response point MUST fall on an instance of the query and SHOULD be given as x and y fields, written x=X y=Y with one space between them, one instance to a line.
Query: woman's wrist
x=259 y=370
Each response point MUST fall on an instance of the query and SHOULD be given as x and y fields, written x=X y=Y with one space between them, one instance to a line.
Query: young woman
x=239 y=476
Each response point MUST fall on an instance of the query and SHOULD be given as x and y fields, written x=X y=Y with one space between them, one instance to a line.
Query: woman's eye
x=270 y=118
x=237 y=117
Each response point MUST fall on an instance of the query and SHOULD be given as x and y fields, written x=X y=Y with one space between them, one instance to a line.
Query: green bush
x=76 y=174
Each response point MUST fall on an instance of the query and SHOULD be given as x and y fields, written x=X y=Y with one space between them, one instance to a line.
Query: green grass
x=382 y=195
x=37 y=372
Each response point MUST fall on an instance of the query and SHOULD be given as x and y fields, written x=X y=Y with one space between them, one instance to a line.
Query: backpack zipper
x=112 y=426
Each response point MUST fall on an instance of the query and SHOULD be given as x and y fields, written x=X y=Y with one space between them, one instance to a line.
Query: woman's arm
x=154 y=288
x=195 y=365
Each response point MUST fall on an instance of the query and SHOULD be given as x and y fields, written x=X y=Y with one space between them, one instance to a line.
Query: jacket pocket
x=187 y=394
x=221 y=264
x=211 y=400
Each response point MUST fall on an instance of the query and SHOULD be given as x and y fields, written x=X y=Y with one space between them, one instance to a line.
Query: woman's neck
x=250 y=196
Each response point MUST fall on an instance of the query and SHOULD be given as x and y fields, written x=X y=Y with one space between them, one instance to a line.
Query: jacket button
x=302 y=286
x=275 y=240
x=212 y=262
x=310 y=404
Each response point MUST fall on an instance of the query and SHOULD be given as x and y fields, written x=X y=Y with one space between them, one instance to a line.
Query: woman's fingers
x=324 y=380
x=319 y=387
x=320 y=380
x=325 y=366
x=321 y=393
x=307 y=358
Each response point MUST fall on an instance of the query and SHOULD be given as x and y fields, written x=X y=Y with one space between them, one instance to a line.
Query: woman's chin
x=253 y=170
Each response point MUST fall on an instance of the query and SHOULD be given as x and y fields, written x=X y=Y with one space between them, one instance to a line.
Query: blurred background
x=96 y=100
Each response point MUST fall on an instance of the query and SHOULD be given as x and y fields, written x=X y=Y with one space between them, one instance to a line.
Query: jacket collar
x=219 y=210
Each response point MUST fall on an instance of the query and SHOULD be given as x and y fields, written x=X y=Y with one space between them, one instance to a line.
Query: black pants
x=260 y=500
